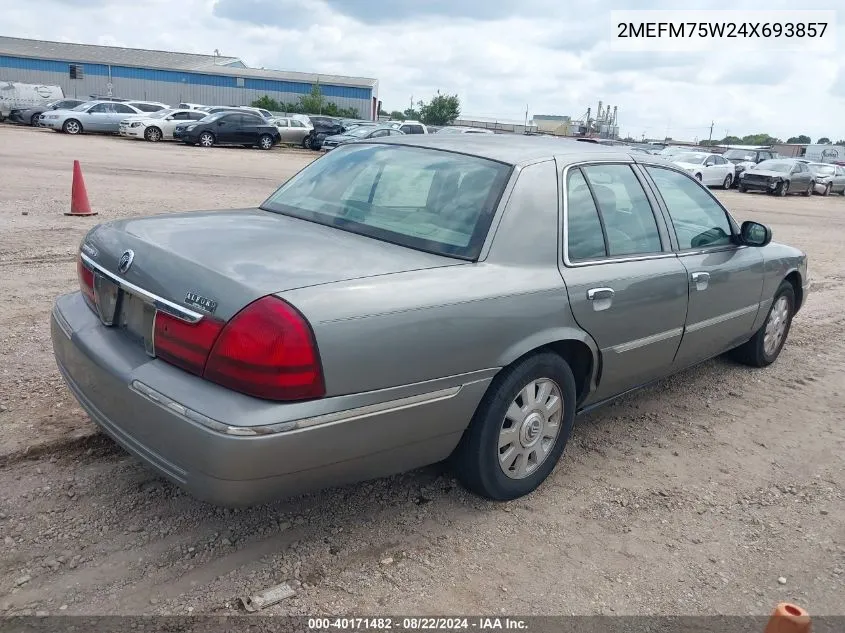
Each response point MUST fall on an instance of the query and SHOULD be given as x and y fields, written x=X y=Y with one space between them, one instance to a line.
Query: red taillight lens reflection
x=267 y=350
x=86 y=280
x=184 y=344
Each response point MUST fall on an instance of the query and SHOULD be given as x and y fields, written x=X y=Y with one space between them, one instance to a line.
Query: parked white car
x=709 y=169
x=158 y=125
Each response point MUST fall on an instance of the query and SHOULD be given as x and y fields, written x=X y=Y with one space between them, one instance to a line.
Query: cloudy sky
x=497 y=55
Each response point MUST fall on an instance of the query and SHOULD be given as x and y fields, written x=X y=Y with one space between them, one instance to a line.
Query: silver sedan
x=403 y=301
x=91 y=116
x=829 y=178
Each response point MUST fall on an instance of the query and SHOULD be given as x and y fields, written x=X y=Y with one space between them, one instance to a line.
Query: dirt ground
x=719 y=490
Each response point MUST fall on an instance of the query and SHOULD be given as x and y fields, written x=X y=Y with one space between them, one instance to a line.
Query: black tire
x=306 y=142
x=152 y=134
x=476 y=459
x=72 y=126
x=754 y=352
x=810 y=188
x=33 y=120
x=698 y=177
x=727 y=182
x=782 y=189
x=265 y=142
x=742 y=189
x=827 y=189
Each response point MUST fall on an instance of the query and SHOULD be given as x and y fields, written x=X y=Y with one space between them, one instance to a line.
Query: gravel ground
x=719 y=490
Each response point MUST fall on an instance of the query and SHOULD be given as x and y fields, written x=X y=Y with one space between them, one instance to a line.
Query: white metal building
x=84 y=70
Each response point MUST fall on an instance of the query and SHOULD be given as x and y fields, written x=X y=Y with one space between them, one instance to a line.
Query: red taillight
x=86 y=280
x=267 y=350
x=184 y=344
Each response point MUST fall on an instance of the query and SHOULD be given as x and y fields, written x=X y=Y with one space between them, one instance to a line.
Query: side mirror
x=755 y=234
x=168 y=118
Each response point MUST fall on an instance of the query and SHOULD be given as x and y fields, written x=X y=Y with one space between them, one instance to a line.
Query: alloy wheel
x=206 y=140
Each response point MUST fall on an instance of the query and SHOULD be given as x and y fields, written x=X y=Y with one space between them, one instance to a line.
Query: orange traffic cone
x=79 y=204
x=788 y=618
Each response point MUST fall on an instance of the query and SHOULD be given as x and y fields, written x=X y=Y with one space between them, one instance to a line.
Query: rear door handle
x=601 y=298
x=700 y=280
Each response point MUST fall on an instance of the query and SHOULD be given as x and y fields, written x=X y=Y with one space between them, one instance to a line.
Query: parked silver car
x=829 y=178
x=91 y=116
x=404 y=300
x=32 y=114
x=291 y=130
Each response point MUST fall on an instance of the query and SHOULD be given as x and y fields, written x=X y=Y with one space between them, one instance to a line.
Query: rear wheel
x=72 y=126
x=726 y=183
x=810 y=188
x=519 y=430
x=766 y=344
x=306 y=142
x=33 y=120
x=152 y=134
x=265 y=141
x=206 y=139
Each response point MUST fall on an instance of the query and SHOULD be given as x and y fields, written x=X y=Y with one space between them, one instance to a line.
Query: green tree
x=411 y=113
x=731 y=140
x=823 y=141
x=313 y=102
x=759 y=139
x=397 y=115
x=267 y=103
x=441 y=110
x=801 y=138
x=841 y=141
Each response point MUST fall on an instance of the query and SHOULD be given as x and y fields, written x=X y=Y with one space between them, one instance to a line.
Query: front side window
x=429 y=200
x=698 y=220
x=625 y=210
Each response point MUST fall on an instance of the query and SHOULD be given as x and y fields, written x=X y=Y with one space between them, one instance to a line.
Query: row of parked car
x=203 y=125
x=759 y=170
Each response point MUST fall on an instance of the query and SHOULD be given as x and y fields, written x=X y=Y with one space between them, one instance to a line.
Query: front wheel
x=726 y=183
x=519 y=430
x=206 y=139
x=265 y=141
x=152 y=134
x=827 y=189
x=782 y=189
x=742 y=189
x=33 y=120
x=766 y=344
x=72 y=126
x=698 y=177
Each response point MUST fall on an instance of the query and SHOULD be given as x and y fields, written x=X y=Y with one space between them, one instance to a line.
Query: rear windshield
x=429 y=200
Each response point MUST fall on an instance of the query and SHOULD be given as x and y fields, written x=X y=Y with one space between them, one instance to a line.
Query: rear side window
x=629 y=223
x=698 y=220
x=585 y=236
x=430 y=200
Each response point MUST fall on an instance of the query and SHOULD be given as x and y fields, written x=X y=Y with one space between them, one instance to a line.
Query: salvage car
x=229 y=128
x=829 y=178
x=408 y=300
x=158 y=125
x=779 y=176
x=31 y=114
x=746 y=158
x=91 y=116
x=291 y=130
x=709 y=169
x=358 y=133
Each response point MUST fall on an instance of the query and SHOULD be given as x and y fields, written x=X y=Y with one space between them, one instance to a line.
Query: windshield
x=429 y=200
x=775 y=165
x=822 y=170
x=739 y=154
x=695 y=159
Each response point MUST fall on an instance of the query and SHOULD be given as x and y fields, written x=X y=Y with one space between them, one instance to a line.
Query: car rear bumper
x=106 y=371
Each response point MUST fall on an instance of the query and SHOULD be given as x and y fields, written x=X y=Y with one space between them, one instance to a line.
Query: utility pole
x=526 y=119
x=710 y=138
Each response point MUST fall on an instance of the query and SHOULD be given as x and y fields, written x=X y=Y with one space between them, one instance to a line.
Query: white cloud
x=498 y=55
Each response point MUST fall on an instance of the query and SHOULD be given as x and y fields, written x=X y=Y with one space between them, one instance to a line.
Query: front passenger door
x=626 y=288
x=725 y=280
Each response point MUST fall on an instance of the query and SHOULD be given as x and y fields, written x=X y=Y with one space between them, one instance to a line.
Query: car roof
x=516 y=149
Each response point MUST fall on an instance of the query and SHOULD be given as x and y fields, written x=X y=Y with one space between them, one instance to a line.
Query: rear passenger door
x=626 y=287
x=725 y=280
